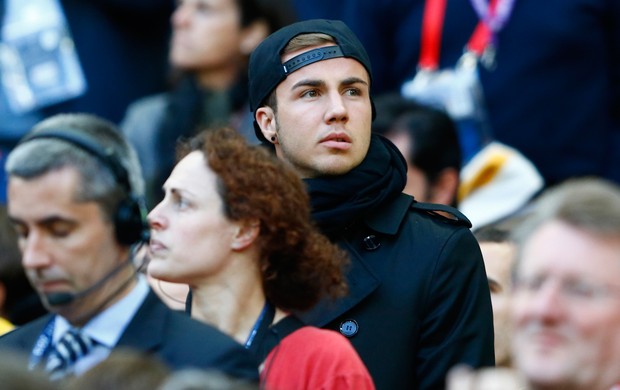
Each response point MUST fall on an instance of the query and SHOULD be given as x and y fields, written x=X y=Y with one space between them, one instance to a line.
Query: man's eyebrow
x=320 y=83
x=45 y=221
x=15 y=221
x=308 y=83
x=353 y=80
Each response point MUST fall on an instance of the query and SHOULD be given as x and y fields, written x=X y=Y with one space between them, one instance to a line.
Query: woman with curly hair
x=235 y=226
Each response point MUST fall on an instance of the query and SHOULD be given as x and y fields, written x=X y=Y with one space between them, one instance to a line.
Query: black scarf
x=338 y=201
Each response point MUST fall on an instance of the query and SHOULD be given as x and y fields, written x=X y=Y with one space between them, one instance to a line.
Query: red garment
x=315 y=359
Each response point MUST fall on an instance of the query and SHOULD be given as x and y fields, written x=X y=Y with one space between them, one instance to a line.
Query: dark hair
x=299 y=265
x=277 y=13
x=433 y=134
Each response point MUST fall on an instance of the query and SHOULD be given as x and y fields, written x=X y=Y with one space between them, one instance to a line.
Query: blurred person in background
x=498 y=252
x=428 y=139
x=209 y=50
x=77 y=56
x=565 y=309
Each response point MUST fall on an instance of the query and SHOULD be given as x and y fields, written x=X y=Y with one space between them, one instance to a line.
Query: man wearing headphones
x=74 y=197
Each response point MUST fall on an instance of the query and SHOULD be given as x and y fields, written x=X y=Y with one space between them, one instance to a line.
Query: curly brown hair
x=299 y=264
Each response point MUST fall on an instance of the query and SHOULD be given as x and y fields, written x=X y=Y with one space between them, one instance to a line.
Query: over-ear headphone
x=130 y=222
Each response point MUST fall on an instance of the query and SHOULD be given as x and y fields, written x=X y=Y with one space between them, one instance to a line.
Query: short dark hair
x=434 y=135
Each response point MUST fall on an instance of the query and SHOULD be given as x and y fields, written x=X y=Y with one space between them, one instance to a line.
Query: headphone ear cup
x=130 y=222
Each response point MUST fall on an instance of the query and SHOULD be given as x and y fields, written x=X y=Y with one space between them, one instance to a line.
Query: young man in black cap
x=419 y=300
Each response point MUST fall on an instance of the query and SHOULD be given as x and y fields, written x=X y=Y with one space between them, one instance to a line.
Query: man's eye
x=59 y=230
x=311 y=93
x=579 y=289
x=353 y=92
x=21 y=231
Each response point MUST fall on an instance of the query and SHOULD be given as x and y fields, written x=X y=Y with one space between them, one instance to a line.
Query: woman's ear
x=252 y=35
x=246 y=234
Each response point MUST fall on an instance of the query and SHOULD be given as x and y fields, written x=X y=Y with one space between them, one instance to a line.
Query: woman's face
x=190 y=236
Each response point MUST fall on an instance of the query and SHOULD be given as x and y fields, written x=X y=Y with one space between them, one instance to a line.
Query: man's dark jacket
x=177 y=340
x=419 y=300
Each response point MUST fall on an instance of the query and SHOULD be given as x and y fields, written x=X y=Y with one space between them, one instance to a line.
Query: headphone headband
x=107 y=156
x=130 y=218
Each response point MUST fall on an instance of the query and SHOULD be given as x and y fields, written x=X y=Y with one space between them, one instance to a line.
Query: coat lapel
x=145 y=331
x=363 y=279
x=362 y=282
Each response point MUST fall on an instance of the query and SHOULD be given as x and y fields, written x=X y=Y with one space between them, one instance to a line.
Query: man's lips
x=47 y=286
x=337 y=141
x=546 y=340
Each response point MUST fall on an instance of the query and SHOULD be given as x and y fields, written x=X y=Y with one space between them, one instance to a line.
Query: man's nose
x=35 y=253
x=337 y=109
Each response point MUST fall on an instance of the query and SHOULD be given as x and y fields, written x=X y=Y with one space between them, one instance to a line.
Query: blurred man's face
x=566 y=309
x=417 y=184
x=498 y=258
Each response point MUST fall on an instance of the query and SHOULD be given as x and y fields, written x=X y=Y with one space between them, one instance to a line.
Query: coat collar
x=388 y=218
x=146 y=330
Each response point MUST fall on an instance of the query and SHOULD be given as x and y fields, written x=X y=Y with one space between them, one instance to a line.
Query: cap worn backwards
x=266 y=69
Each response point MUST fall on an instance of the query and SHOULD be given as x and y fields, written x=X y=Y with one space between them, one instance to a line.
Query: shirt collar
x=108 y=326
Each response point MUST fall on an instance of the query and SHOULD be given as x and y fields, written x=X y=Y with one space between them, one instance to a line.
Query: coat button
x=371 y=243
x=349 y=328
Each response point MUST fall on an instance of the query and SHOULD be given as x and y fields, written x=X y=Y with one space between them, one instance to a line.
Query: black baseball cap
x=266 y=70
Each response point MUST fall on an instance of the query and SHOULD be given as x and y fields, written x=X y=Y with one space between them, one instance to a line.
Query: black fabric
x=338 y=201
x=266 y=70
x=275 y=334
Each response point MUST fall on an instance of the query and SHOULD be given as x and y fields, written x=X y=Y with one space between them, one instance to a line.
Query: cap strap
x=312 y=56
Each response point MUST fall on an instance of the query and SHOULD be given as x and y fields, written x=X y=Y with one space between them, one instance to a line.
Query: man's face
x=417 y=184
x=498 y=258
x=66 y=246
x=566 y=309
x=323 y=117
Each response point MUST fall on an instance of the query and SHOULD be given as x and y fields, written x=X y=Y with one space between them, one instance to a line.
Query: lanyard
x=493 y=15
x=43 y=344
x=258 y=325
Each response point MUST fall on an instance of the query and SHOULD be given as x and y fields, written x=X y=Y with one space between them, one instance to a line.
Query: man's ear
x=265 y=117
x=443 y=190
x=246 y=234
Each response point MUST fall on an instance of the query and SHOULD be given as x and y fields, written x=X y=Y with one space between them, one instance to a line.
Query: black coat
x=177 y=340
x=419 y=301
